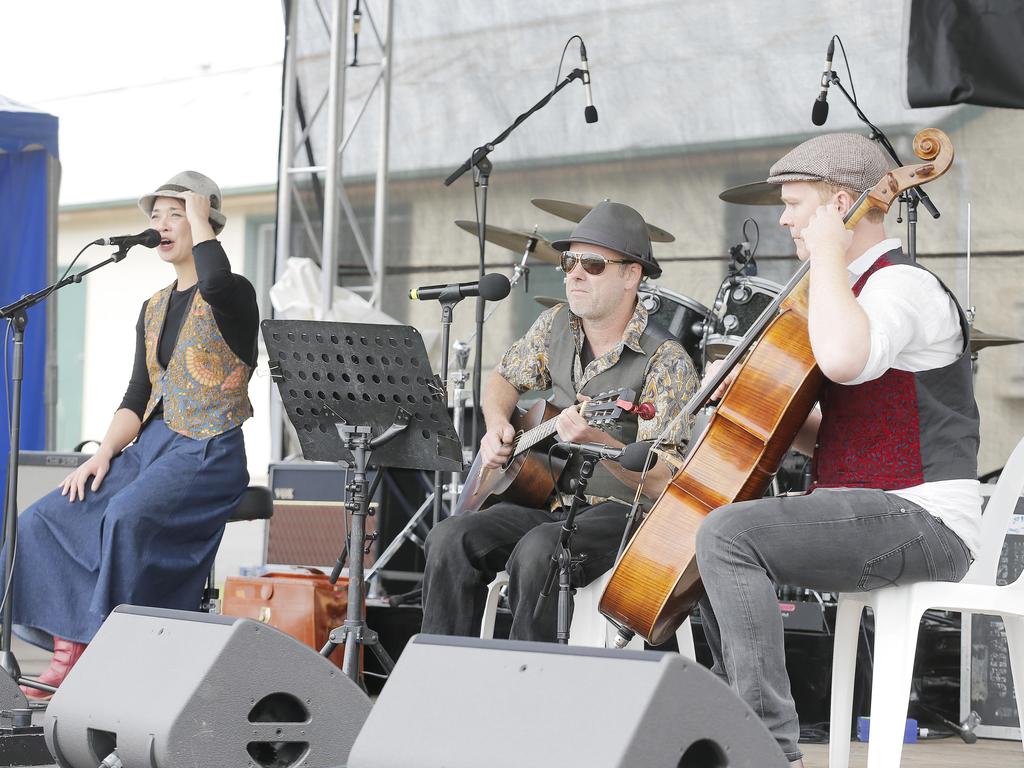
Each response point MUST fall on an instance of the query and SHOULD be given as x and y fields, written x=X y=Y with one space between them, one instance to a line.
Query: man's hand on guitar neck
x=496 y=445
x=573 y=428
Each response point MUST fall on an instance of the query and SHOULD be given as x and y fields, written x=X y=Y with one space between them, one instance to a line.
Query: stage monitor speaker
x=463 y=703
x=177 y=689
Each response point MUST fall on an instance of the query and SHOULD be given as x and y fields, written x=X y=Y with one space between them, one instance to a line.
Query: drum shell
x=741 y=300
x=682 y=317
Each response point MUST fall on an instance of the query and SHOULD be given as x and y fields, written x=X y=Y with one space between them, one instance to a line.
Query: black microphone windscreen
x=494 y=286
x=590 y=113
x=151 y=239
x=819 y=112
x=634 y=456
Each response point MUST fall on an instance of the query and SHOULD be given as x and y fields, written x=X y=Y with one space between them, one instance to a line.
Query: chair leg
x=1015 y=641
x=844 y=667
x=491 y=605
x=896 y=628
x=684 y=637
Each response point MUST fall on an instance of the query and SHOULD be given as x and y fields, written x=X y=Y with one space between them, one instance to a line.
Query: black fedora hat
x=619 y=227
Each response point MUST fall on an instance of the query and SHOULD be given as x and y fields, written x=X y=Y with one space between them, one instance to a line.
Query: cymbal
x=576 y=211
x=756 y=193
x=514 y=241
x=980 y=339
x=548 y=301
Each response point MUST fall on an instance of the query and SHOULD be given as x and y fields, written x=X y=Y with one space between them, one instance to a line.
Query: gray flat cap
x=841 y=159
x=619 y=227
x=189 y=181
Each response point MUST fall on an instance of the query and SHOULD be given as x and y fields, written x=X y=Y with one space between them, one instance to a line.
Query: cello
x=655 y=584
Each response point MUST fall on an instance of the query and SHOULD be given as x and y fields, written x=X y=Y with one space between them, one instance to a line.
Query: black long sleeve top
x=233 y=301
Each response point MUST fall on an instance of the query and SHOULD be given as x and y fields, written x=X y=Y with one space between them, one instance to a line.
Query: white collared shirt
x=915 y=326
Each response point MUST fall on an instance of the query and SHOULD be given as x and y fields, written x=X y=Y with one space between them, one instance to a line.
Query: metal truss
x=313 y=141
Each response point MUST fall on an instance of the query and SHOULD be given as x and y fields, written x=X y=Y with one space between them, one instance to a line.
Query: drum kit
x=707 y=334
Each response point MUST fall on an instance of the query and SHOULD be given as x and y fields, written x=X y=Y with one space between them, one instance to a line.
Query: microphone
x=634 y=456
x=590 y=112
x=490 y=287
x=148 y=239
x=819 y=112
x=631 y=457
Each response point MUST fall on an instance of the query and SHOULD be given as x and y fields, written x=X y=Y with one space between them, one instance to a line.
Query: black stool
x=256 y=503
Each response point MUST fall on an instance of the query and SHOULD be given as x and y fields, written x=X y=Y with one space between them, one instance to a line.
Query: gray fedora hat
x=189 y=181
x=841 y=159
x=619 y=227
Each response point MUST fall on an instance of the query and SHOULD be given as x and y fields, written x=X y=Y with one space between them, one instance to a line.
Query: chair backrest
x=996 y=520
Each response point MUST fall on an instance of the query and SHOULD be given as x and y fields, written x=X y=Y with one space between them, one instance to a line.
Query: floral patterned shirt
x=671 y=377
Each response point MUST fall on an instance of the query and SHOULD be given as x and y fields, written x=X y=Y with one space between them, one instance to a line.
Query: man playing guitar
x=601 y=341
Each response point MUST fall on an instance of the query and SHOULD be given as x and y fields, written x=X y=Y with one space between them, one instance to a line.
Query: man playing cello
x=895 y=497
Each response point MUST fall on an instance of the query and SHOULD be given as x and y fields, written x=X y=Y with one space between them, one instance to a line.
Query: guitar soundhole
x=515 y=448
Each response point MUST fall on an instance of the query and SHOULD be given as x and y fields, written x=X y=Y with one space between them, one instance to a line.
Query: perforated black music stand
x=350 y=389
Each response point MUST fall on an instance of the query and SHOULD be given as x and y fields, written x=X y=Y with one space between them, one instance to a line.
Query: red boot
x=66 y=654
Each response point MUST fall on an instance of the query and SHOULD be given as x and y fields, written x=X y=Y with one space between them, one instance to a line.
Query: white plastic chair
x=898 y=612
x=589 y=628
x=491 y=605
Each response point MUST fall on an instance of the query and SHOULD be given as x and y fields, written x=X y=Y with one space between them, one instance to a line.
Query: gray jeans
x=833 y=540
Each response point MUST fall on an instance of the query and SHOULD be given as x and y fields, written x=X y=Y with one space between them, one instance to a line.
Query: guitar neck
x=546 y=429
x=533 y=436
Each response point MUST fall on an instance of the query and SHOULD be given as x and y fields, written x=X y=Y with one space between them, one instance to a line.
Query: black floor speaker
x=177 y=689
x=464 y=703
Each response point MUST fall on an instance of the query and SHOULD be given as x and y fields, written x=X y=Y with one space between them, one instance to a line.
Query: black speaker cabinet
x=464 y=703
x=177 y=689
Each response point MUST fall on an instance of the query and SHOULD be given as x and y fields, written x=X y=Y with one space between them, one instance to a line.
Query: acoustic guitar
x=526 y=477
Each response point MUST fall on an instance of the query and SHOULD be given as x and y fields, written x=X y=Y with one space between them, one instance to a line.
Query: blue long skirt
x=147 y=537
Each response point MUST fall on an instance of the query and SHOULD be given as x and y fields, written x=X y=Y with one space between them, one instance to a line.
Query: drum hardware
x=980 y=339
x=576 y=211
x=679 y=315
x=741 y=300
x=741 y=255
x=521 y=242
x=756 y=193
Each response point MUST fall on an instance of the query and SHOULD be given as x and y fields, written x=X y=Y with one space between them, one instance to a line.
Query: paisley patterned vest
x=205 y=387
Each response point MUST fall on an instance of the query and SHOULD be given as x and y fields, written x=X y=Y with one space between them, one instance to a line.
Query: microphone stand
x=17 y=314
x=449 y=298
x=910 y=197
x=562 y=559
x=460 y=376
x=481 y=166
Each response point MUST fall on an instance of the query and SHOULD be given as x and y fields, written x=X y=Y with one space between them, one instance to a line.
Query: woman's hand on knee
x=73 y=486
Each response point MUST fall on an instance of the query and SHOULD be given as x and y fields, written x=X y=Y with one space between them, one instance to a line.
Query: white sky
x=145 y=89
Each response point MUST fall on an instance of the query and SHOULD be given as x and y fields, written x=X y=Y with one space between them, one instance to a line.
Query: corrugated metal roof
x=681 y=74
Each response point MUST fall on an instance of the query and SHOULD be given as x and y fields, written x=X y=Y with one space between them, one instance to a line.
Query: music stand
x=350 y=389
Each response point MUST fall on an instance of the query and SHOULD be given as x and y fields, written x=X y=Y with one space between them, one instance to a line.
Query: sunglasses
x=592 y=263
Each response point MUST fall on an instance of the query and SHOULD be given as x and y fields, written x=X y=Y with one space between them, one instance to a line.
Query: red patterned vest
x=903 y=428
x=205 y=387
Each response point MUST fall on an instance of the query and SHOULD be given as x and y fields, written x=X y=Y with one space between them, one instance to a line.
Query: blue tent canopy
x=29 y=177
